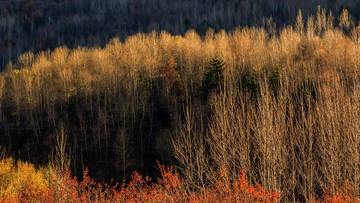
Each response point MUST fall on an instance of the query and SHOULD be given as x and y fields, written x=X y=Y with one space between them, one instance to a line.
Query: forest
x=251 y=114
x=39 y=25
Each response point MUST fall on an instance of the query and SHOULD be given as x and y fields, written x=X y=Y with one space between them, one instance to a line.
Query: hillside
x=282 y=105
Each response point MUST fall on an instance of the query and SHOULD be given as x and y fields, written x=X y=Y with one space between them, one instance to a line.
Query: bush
x=48 y=185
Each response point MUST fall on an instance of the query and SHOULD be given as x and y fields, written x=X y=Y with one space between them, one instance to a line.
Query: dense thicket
x=21 y=182
x=36 y=25
x=282 y=107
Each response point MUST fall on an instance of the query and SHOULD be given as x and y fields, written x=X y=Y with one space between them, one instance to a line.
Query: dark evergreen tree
x=213 y=77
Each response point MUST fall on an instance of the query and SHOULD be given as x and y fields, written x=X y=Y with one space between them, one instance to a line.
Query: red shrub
x=344 y=194
x=169 y=188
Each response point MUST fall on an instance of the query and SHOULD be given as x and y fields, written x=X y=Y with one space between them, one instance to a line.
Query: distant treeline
x=38 y=25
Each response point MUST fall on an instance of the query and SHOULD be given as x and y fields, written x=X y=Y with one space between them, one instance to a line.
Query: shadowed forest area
x=278 y=105
x=38 y=25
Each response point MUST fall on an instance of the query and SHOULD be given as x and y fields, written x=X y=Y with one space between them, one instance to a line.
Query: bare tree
x=123 y=150
x=189 y=149
x=59 y=158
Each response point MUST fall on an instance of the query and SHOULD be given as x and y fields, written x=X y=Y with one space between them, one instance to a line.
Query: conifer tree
x=213 y=77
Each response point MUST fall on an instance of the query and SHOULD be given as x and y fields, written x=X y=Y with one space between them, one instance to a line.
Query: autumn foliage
x=54 y=186
x=23 y=183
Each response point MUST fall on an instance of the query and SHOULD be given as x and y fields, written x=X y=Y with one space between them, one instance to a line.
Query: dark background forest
x=38 y=25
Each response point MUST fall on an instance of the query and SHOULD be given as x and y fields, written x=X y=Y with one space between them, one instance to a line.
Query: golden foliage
x=15 y=176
